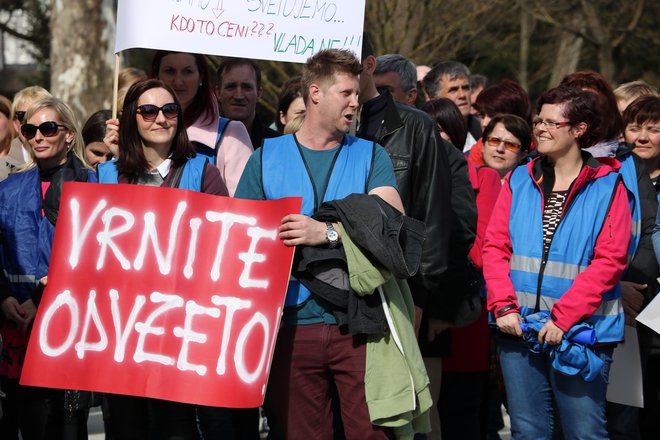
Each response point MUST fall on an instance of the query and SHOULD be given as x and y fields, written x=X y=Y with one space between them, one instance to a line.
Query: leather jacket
x=423 y=176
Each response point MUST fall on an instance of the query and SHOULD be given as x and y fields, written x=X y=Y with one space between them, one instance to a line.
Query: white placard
x=281 y=30
x=650 y=316
x=625 y=379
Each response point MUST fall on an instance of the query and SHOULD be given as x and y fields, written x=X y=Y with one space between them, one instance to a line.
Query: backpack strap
x=222 y=124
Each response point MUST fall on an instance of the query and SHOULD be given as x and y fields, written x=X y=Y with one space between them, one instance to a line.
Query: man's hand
x=13 y=310
x=299 y=229
x=418 y=320
x=435 y=327
x=632 y=295
x=551 y=334
x=30 y=311
x=510 y=324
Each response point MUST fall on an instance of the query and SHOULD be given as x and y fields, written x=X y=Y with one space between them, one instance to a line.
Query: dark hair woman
x=155 y=151
x=290 y=103
x=226 y=143
x=555 y=249
x=465 y=371
x=505 y=97
x=506 y=142
x=448 y=120
x=93 y=132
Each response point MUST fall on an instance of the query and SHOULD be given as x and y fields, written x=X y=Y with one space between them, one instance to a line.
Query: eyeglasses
x=547 y=124
x=150 y=112
x=19 y=116
x=48 y=129
x=496 y=142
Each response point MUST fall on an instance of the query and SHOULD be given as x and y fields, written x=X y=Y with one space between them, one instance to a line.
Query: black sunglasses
x=48 y=129
x=19 y=116
x=149 y=112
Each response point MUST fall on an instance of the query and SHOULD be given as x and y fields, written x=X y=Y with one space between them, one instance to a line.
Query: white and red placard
x=162 y=293
x=280 y=30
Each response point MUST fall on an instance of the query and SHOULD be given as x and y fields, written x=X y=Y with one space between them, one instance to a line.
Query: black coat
x=436 y=192
x=389 y=239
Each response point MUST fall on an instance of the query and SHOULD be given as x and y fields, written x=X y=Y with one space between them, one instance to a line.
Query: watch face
x=333 y=235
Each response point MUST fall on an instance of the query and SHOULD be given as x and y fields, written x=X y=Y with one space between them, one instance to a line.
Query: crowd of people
x=456 y=243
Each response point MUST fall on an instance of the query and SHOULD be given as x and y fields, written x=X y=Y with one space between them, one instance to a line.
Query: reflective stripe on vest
x=18 y=278
x=570 y=252
x=284 y=174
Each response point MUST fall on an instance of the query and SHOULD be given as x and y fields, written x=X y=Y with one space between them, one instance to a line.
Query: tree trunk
x=606 y=61
x=568 y=53
x=523 y=54
x=82 y=59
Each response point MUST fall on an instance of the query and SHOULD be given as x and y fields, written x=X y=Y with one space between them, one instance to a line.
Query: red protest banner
x=161 y=293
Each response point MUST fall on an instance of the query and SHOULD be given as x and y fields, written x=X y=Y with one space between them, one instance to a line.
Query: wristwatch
x=332 y=235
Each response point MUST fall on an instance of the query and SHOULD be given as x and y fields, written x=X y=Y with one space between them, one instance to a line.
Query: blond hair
x=68 y=119
x=130 y=75
x=28 y=95
x=323 y=66
x=294 y=124
x=632 y=90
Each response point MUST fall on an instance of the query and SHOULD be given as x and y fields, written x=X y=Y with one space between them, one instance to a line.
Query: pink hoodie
x=232 y=154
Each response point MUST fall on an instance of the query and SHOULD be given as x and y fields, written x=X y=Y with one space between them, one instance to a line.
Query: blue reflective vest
x=191 y=177
x=284 y=173
x=20 y=205
x=208 y=151
x=540 y=280
x=629 y=174
x=26 y=236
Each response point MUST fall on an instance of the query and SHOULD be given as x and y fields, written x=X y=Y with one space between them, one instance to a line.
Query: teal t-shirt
x=314 y=310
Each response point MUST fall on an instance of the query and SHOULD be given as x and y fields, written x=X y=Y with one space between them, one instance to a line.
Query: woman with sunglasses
x=155 y=151
x=555 y=249
x=505 y=97
x=18 y=149
x=29 y=207
x=506 y=142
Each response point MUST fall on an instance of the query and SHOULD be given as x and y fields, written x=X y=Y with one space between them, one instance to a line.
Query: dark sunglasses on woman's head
x=19 y=116
x=48 y=129
x=149 y=112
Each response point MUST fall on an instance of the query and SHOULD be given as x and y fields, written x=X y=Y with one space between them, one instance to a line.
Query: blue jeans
x=536 y=392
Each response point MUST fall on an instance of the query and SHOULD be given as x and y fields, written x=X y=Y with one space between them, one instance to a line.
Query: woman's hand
x=632 y=296
x=510 y=324
x=111 y=139
x=551 y=334
x=13 y=310
x=436 y=327
x=299 y=229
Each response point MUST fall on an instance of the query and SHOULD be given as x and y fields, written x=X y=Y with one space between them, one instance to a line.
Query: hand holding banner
x=162 y=293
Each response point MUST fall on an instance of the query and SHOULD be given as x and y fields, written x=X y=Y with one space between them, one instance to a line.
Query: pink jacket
x=234 y=150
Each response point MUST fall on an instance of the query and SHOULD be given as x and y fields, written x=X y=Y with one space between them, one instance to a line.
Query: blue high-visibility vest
x=284 y=173
x=191 y=177
x=540 y=280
